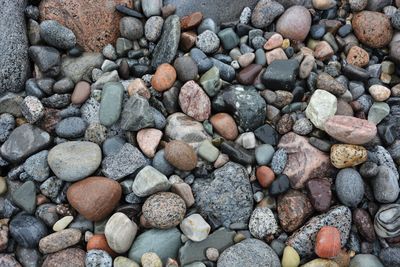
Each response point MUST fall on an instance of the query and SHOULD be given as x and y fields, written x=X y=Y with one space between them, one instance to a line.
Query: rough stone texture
x=14 y=62
x=228 y=186
x=74 y=256
x=265 y=12
x=95 y=23
x=343 y=155
x=59 y=240
x=262 y=223
x=321 y=107
x=194 y=101
x=76 y=67
x=304 y=160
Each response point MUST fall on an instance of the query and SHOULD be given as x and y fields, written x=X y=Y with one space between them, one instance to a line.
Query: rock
x=194 y=102
x=164 y=78
x=208 y=42
x=153 y=28
x=81 y=93
x=161 y=164
x=379 y=92
x=131 y=28
x=358 y=56
x=137 y=114
x=364 y=224
x=228 y=38
x=72 y=127
x=165 y=243
x=11 y=103
x=148 y=140
x=264 y=153
x=265 y=13
x=149 y=181
x=32 y=109
x=24 y=141
x=99 y=241
x=262 y=223
x=290 y=257
x=250 y=252
x=14 y=45
x=343 y=156
x=377 y=112
x=365 y=260
x=55 y=34
x=314 y=163
x=381 y=156
x=227 y=72
x=36 y=166
x=247 y=75
x=211 y=82
x=350 y=130
x=151 y=259
x=76 y=68
x=265 y=176
x=111 y=103
x=279 y=161
x=186 y=69
x=372 y=28
x=51 y=187
x=293 y=208
x=124 y=262
x=276 y=54
x=120 y=232
x=94 y=23
x=46 y=58
x=324 y=4
x=327 y=243
x=25 y=196
x=385 y=224
x=7 y=125
x=320 y=193
x=59 y=240
x=97 y=257
x=323 y=51
x=213 y=195
x=195 y=227
x=385 y=185
x=180 y=155
x=225 y=125
x=27 y=230
x=390 y=256
x=208 y=151
x=28 y=256
x=321 y=107
x=75 y=160
x=294 y=23
x=349 y=187
x=167 y=46
x=328 y=83
x=94 y=197
x=62 y=223
x=152 y=8
x=74 y=256
x=303 y=239
x=164 y=210
x=281 y=75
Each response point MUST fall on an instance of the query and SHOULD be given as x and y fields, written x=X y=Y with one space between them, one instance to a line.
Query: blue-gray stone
x=349 y=187
x=279 y=161
x=161 y=164
x=25 y=196
x=36 y=166
x=385 y=185
x=227 y=72
x=72 y=127
x=98 y=258
x=137 y=114
x=111 y=103
x=55 y=34
x=27 y=230
x=229 y=38
x=112 y=145
x=7 y=125
x=203 y=62
x=46 y=58
x=264 y=154
x=365 y=260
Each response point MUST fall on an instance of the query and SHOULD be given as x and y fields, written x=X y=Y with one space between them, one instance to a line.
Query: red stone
x=194 y=102
x=327 y=244
x=265 y=176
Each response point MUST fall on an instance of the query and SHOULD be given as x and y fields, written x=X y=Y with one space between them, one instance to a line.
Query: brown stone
x=319 y=190
x=181 y=155
x=344 y=109
x=364 y=224
x=293 y=208
x=137 y=86
x=148 y=140
x=59 y=240
x=328 y=83
x=372 y=28
x=294 y=23
x=94 y=197
x=276 y=54
x=327 y=243
x=323 y=51
x=73 y=256
x=191 y=21
x=343 y=156
x=285 y=124
x=194 y=102
x=188 y=40
x=94 y=22
x=81 y=93
x=304 y=161
x=99 y=242
x=50 y=119
x=247 y=75
x=246 y=59
x=265 y=176
x=358 y=57
x=224 y=125
x=164 y=77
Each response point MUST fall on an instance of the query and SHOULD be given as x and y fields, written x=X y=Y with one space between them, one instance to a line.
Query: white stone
x=248 y=140
x=195 y=227
x=149 y=181
x=321 y=107
x=32 y=109
x=120 y=232
x=262 y=223
x=62 y=223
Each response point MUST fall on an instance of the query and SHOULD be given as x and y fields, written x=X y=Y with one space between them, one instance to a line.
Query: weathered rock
x=77 y=67
x=74 y=256
x=262 y=223
x=385 y=185
x=59 y=240
x=27 y=230
x=120 y=232
x=343 y=156
x=137 y=114
x=321 y=107
x=349 y=187
x=194 y=102
x=149 y=181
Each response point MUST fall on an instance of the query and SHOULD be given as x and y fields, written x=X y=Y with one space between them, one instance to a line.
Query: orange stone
x=191 y=21
x=224 y=125
x=265 y=176
x=164 y=77
x=327 y=243
x=358 y=57
x=99 y=242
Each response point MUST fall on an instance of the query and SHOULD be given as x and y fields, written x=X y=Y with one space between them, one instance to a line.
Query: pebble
x=358 y=56
x=324 y=4
x=201 y=108
x=358 y=5
x=390 y=256
x=281 y=74
x=74 y=256
x=224 y=125
x=262 y=223
x=81 y=92
x=46 y=58
x=164 y=210
x=265 y=176
x=208 y=42
x=264 y=154
x=294 y=23
x=149 y=181
x=379 y=93
x=207 y=151
x=94 y=197
x=321 y=107
x=211 y=82
x=320 y=193
x=131 y=28
x=385 y=185
x=327 y=243
x=71 y=128
x=137 y=114
x=186 y=68
x=111 y=103
x=343 y=156
x=124 y=262
x=195 y=227
x=164 y=77
x=323 y=51
x=32 y=109
x=274 y=41
x=365 y=260
x=265 y=13
x=378 y=112
x=27 y=230
x=59 y=240
x=152 y=8
x=153 y=28
x=99 y=241
x=24 y=196
x=62 y=223
x=364 y=224
x=3 y=185
x=151 y=259
x=51 y=187
x=290 y=257
x=97 y=257
x=57 y=35
x=180 y=155
x=328 y=83
x=7 y=125
x=120 y=232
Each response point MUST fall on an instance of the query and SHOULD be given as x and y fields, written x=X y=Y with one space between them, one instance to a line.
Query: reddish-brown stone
x=94 y=22
x=224 y=125
x=247 y=75
x=194 y=102
x=319 y=190
x=323 y=51
x=358 y=56
x=94 y=197
x=164 y=77
x=364 y=224
x=188 y=40
x=265 y=176
x=73 y=256
x=81 y=92
x=180 y=155
x=191 y=21
x=99 y=242
x=327 y=243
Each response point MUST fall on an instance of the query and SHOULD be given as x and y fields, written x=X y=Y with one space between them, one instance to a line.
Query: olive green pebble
x=3 y=185
x=238 y=237
x=207 y=151
x=290 y=257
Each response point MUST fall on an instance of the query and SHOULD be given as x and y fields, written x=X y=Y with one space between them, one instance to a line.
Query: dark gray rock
x=131 y=28
x=33 y=89
x=27 y=230
x=14 y=62
x=36 y=166
x=378 y=5
x=227 y=186
x=57 y=101
x=63 y=86
x=349 y=187
x=55 y=34
x=265 y=13
x=186 y=69
x=281 y=75
x=78 y=67
x=28 y=257
x=249 y=252
x=137 y=114
x=227 y=72
x=203 y=62
x=25 y=196
x=23 y=142
x=381 y=156
x=7 y=124
x=51 y=187
x=385 y=185
x=390 y=256
x=46 y=58
x=72 y=127
x=47 y=213
x=11 y=103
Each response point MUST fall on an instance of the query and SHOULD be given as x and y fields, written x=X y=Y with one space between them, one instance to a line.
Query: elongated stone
x=111 y=103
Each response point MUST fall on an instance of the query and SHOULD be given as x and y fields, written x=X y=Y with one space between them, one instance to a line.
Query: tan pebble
x=343 y=155
x=274 y=41
x=62 y=223
x=379 y=92
x=3 y=185
x=138 y=86
x=151 y=259
x=276 y=54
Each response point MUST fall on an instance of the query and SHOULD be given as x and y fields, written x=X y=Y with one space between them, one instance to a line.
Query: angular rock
x=137 y=114
x=321 y=107
x=281 y=75
x=149 y=181
x=77 y=67
x=25 y=196
x=262 y=223
x=195 y=227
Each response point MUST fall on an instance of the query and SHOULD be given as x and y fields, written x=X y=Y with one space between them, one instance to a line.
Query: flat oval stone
x=180 y=155
x=74 y=256
x=225 y=125
x=385 y=185
x=70 y=128
x=364 y=224
x=349 y=187
x=343 y=156
x=365 y=260
x=111 y=103
x=164 y=77
x=94 y=197
x=194 y=101
x=59 y=240
x=81 y=92
x=350 y=130
x=120 y=232
x=73 y=161
x=327 y=243
x=27 y=230
x=295 y=23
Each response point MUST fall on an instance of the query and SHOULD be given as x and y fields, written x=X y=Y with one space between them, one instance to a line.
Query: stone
x=389 y=256
x=229 y=39
x=293 y=208
x=137 y=114
x=76 y=68
x=124 y=262
x=343 y=156
x=81 y=92
x=358 y=56
x=138 y=86
x=208 y=151
x=95 y=24
x=165 y=243
x=180 y=155
x=75 y=160
x=262 y=223
x=59 y=240
x=215 y=195
x=55 y=34
x=194 y=102
x=377 y=112
x=274 y=41
x=149 y=181
x=304 y=238
x=321 y=107
x=349 y=187
x=27 y=230
x=324 y=4
x=211 y=82
x=265 y=176
x=264 y=154
x=99 y=241
x=14 y=43
x=276 y=54
x=24 y=141
x=385 y=224
x=153 y=28
x=248 y=74
x=252 y=252
x=320 y=193
x=25 y=197
x=71 y=128
x=208 y=42
x=265 y=13
x=94 y=197
x=62 y=223
x=151 y=7
x=385 y=185
x=164 y=78
x=97 y=257
x=131 y=28
x=227 y=72
x=195 y=227
x=11 y=103
x=74 y=256
x=364 y=224
x=372 y=28
x=328 y=83
x=323 y=51
x=294 y=23
x=148 y=140
x=32 y=109
x=120 y=232
x=379 y=93
x=164 y=210
x=7 y=125
x=224 y=125
x=290 y=257
x=46 y=58
x=314 y=162
x=186 y=68
x=327 y=242
x=281 y=75
x=167 y=46
x=365 y=260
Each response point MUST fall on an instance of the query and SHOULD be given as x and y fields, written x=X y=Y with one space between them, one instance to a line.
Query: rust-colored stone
x=225 y=125
x=191 y=21
x=164 y=77
x=327 y=244
x=181 y=155
x=99 y=242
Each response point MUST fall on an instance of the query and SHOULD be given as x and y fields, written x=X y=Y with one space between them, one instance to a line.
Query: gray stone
x=7 y=125
x=203 y=62
x=123 y=163
x=131 y=28
x=227 y=72
x=27 y=230
x=98 y=258
x=390 y=256
x=349 y=187
x=265 y=13
x=33 y=32
x=111 y=103
x=165 y=243
x=208 y=42
x=51 y=187
x=378 y=111
x=137 y=114
x=11 y=103
x=24 y=141
x=112 y=145
x=149 y=181
x=151 y=8
x=28 y=257
x=264 y=154
x=211 y=82
x=153 y=28
x=207 y=24
x=25 y=196
x=75 y=160
x=385 y=185
x=36 y=166
x=46 y=58
x=381 y=156
x=63 y=86
x=57 y=35
x=161 y=164
x=70 y=128
x=262 y=223
x=32 y=109
x=104 y=78
x=77 y=67
x=186 y=68
x=109 y=52
x=386 y=224
x=14 y=62
x=249 y=252
x=365 y=260
x=47 y=213
x=227 y=186
x=90 y=111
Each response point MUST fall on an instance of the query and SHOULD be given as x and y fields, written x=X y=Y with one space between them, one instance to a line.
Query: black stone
x=27 y=230
x=279 y=185
x=267 y=135
x=237 y=153
x=355 y=73
x=57 y=101
x=281 y=75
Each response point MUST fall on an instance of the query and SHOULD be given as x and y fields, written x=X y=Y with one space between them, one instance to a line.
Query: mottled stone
x=343 y=156
x=74 y=256
x=59 y=240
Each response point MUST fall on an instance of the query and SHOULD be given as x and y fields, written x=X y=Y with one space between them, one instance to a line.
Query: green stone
x=229 y=38
x=207 y=151
x=211 y=82
x=25 y=197
x=111 y=103
x=208 y=127
x=378 y=111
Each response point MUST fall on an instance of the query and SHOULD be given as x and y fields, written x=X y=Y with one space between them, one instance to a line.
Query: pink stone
x=275 y=54
x=323 y=51
x=274 y=41
x=148 y=140
x=295 y=23
x=304 y=161
x=194 y=102
x=350 y=130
